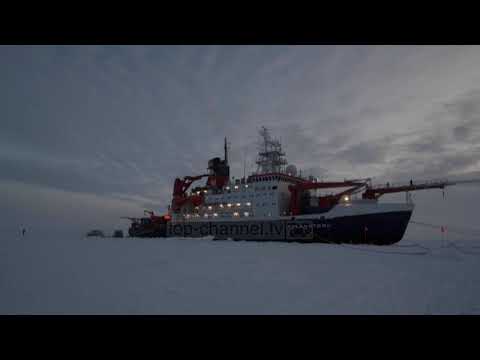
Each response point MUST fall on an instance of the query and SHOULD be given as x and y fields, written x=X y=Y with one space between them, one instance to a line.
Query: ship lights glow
x=236 y=187
x=229 y=205
x=215 y=214
x=235 y=214
x=238 y=204
x=221 y=205
x=248 y=203
x=209 y=208
x=346 y=198
x=246 y=213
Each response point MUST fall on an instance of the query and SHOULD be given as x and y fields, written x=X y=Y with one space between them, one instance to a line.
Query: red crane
x=371 y=192
x=180 y=187
x=297 y=189
x=376 y=191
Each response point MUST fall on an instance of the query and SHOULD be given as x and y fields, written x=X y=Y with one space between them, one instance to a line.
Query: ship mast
x=271 y=158
x=226 y=151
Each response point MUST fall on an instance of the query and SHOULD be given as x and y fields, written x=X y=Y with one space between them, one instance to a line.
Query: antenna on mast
x=244 y=165
x=226 y=151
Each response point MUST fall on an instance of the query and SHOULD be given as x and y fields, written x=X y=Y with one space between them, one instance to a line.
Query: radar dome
x=291 y=169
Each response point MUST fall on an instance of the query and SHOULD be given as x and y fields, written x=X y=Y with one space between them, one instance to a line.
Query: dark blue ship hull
x=378 y=228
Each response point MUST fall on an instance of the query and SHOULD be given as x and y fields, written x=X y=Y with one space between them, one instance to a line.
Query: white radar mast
x=271 y=158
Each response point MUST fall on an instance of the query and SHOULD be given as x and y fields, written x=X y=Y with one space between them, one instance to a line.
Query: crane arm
x=297 y=189
x=377 y=191
x=470 y=181
x=181 y=185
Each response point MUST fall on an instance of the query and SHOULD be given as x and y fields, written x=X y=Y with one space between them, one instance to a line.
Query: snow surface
x=76 y=275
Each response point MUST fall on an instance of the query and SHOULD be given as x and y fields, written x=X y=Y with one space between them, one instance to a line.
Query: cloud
x=365 y=153
x=124 y=121
x=465 y=112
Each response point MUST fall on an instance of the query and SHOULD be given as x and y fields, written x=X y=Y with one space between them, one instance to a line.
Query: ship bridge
x=262 y=194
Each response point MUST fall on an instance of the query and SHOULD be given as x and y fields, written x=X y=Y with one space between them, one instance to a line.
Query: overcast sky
x=91 y=133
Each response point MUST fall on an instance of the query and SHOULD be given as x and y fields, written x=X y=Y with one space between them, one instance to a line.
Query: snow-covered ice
x=76 y=275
